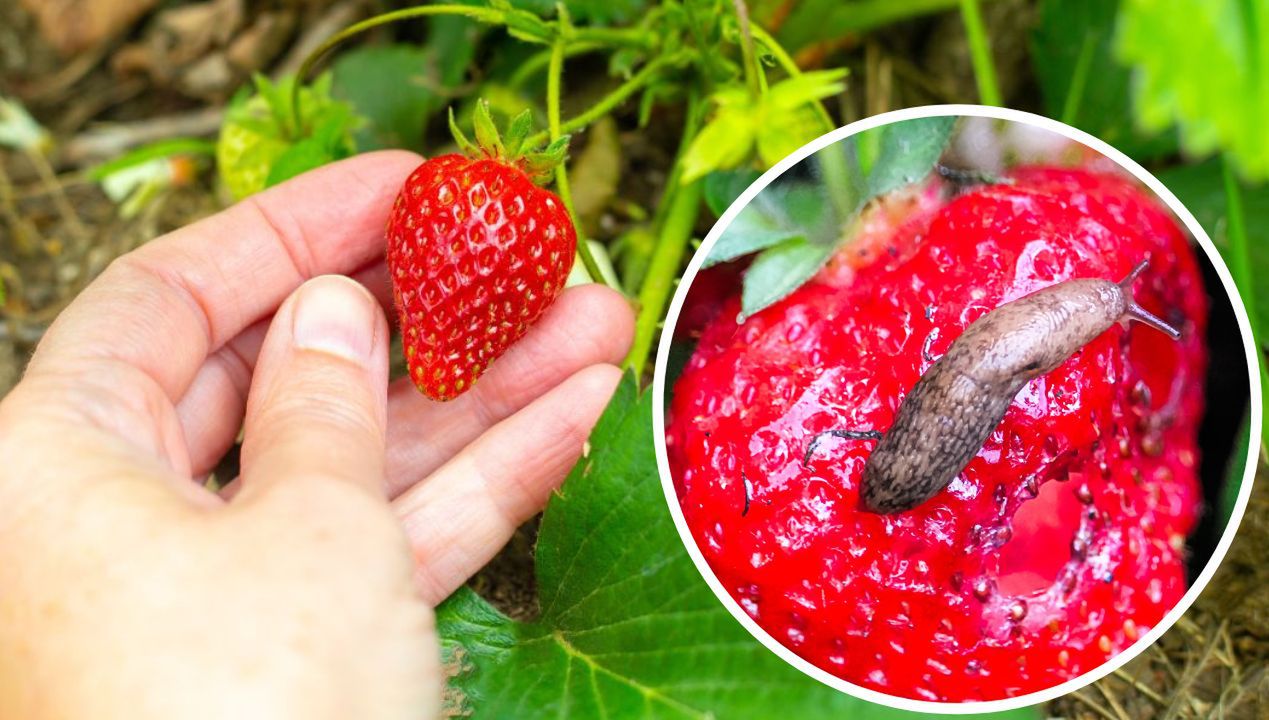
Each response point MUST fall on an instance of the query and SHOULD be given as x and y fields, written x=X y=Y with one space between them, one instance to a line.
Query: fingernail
x=334 y=314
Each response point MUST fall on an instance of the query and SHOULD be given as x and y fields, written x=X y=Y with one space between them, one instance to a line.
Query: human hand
x=128 y=590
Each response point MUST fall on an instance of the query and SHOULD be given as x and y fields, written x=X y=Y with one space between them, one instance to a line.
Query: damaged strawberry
x=1060 y=544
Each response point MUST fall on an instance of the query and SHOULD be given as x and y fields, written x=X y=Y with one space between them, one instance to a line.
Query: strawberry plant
x=280 y=132
x=1060 y=544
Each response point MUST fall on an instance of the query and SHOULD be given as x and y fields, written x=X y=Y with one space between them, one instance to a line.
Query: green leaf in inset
x=721 y=188
x=628 y=628
x=779 y=270
x=850 y=174
x=781 y=212
x=1203 y=64
x=906 y=151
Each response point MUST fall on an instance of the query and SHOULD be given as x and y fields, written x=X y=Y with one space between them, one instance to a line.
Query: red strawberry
x=1060 y=544
x=477 y=252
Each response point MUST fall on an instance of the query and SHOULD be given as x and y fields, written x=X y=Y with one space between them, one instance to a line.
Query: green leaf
x=779 y=270
x=813 y=21
x=628 y=628
x=1201 y=189
x=153 y=151
x=906 y=151
x=722 y=187
x=259 y=132
x=1080 y=80
x=781 y=212
x=518 y=132
x=1234 y=472
x=603 y=12
x=327 y=143
x=399 y=88
x=798 y=228
x=391 y=86
x=724 y=143
x=1203 y=64
x=797 y=127
x=805 y=88
x=486 y=132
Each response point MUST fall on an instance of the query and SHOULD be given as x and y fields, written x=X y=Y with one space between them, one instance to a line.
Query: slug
x=948 y=415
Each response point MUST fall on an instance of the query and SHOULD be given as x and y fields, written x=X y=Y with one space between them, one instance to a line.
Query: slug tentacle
x=1136 y=312
x=952 y=409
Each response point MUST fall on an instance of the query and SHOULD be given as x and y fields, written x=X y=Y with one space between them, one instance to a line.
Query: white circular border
x=658 y=409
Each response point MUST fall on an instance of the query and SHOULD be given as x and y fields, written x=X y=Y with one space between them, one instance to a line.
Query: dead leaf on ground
x=595 y=173
x=73 y=26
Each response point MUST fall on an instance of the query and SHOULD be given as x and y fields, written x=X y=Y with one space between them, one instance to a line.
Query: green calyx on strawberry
x=477 y=252
x=261 y=143
x=1060 y=544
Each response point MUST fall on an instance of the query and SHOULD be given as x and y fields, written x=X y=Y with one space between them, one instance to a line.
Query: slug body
x=961 y=399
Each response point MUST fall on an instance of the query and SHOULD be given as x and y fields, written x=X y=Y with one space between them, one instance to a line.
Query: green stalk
x=980 y=53
x=524 y=23
x=674 y=233
x=554 y=78
x=1079 y=79
x=540 y=61
x=609 y=102
x=663 y=269
x=748 y=56
x=1240 y=266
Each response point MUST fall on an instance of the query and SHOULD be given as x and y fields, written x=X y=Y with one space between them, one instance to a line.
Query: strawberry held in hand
x=1059 y=545
x=477 y=252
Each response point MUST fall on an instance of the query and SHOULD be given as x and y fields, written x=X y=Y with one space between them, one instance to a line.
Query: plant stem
x=748 y=56
x=609 y=102
x=554 y=78
x=524 y=23
x=980 y=53
x=1079 y=78
x=1240 y=264
x=674 y=232
x=663 y=269
x=539 y=61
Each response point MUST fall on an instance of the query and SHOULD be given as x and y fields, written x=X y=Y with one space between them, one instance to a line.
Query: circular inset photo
x=955 y=406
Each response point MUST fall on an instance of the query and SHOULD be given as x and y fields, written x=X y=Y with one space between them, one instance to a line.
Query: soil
x=58 y=230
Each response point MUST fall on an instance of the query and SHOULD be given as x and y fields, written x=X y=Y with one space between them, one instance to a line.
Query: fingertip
x=597 y=304
x=317 y=405
x=599 y=380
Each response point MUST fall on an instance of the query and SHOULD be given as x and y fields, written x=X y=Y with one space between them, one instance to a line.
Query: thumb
x=317 y=405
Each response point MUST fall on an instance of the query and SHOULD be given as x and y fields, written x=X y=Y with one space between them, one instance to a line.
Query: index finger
x=166 y=306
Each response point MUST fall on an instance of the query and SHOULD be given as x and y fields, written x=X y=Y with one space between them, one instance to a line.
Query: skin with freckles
x=130 y=591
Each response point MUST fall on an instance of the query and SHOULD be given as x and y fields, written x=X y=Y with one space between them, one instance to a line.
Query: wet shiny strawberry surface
x=1060 y=544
